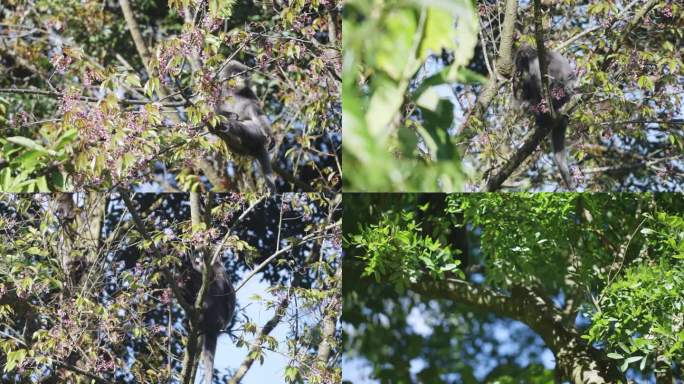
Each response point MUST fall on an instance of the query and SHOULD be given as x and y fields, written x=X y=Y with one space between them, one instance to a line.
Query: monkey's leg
x=558 y=147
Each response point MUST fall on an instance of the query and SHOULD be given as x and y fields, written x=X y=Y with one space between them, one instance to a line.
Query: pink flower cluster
x=61 y=62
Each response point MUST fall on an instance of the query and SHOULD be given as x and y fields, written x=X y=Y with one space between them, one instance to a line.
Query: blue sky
x=357 y=371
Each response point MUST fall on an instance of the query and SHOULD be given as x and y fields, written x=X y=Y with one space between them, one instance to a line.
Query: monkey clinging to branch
x=247 y=130
x=527 y=90
x=217 y=310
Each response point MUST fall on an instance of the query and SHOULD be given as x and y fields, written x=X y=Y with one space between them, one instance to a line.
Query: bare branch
x=255 y=350
x=135 y=33
x=90 y=99
x=309 y=237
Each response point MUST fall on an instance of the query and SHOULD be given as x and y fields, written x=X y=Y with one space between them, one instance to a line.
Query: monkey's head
x=523 y=55
x=235 y=72
x=196 y=258
x=523 y=81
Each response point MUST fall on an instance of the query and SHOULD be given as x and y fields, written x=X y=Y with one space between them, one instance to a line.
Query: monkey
x=527 y=90
x=218 y=308
x=250 y=134
x=244 y=138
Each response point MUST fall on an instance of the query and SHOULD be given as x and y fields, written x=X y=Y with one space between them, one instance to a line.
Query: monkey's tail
x=265 y=163
x=208 y=353
x=558 y=148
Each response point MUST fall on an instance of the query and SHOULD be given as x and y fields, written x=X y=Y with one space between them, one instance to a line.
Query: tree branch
x=189 y=358
x=81 y=372
x=255 y=350
x=303 y=240
x=89 y=99
x=135 y=33
x=503 y=65
x=576 y=360
x=140 y=226
x=332 y=311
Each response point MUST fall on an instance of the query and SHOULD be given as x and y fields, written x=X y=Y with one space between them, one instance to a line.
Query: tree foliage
x=381 y=93
x=597 y=277
x=87 y=294
x=97 y=94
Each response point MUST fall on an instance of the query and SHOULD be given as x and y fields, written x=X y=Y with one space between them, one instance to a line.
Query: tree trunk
x=576 y=361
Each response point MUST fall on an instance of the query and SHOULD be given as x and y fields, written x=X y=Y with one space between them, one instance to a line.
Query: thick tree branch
x=541 y=56
x=142 y=48
x=140 y=226
x=575 y=359
x=191 y=347
x=135 y=33
x=332 y=313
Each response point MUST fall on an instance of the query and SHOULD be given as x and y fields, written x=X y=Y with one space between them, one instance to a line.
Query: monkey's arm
x=235 y=144
x=258 y=116
x=246 y=138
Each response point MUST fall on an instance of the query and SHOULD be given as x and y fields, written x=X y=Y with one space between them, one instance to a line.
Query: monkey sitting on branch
x=247 y=130
x=527 y=91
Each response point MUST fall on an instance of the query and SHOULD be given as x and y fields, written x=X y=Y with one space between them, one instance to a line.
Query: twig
x=88 y=98
x=71 y=368
x=217 y=251
x=265 y=330
x=303 y=240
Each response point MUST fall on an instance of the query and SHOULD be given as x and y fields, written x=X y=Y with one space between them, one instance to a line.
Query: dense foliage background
x=86 y=294
x=508 y=288
x=96 y=94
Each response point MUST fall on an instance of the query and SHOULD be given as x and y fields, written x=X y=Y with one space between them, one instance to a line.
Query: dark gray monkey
x=527 y=90
x=217 y=311
x=244 y=138
x=250 y=134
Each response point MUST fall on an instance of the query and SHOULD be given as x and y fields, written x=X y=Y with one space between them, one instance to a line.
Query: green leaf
x=291 y=374
x=450 y=266
x=393 y=50
x=439 y=32
x=428 y=99
x=642 y=366
x=133 y=79
x=29 y=160
x=15 y=358
x=26 y=142
x=42 y=185
x=633 y=359
x=615 y=356
x=646 y=83
x=383 y=107
x=66 y=138
x=57 y=180
x=6 y=179
x=36 y=251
